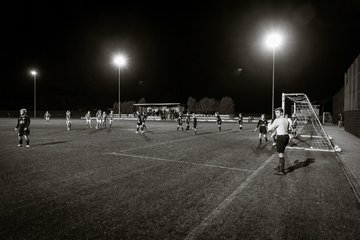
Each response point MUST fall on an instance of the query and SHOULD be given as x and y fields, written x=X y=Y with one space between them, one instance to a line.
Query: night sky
x=175 y=49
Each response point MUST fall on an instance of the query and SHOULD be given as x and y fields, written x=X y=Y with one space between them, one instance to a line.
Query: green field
x=167 y=184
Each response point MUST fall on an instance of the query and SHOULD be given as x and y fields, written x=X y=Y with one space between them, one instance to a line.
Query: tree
x=191 y=104
x=142 y=100
x=227 y=105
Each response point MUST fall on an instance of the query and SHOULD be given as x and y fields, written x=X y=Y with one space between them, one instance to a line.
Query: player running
x=194 y=123
x=88 y=119
x=47 y=116
x=262 y=126
x=218 y=120
x=22 y=128
x=240 y=121
x=68 y=120
x=143 y=119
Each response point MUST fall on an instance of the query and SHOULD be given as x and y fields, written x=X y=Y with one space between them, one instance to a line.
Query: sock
x=282 y=164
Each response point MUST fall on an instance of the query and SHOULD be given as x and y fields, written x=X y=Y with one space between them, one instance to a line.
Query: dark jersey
x=139 y=119
x=23 y=122
x=218 y=120
x=194 y=122
x=187 y=119
x=179 y=120
x=262 y=123
x=240 y=120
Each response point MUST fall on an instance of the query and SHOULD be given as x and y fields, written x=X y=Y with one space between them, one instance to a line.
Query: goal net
x=308 y=132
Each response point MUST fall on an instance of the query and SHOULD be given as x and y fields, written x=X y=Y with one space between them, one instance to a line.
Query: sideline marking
x=183 y=162
x=202 y=226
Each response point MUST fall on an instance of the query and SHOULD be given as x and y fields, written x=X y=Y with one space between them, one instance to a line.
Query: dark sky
x=175 y=49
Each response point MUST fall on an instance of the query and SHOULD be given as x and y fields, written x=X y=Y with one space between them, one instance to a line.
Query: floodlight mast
x=273 y=41
x=119 y=61
x=34 y=73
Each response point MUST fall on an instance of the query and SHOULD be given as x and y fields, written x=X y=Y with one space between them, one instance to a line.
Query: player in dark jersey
x=139 y=122
x=218 y=120
x=262 y=126
x=194 y=123
x=240 y=121
x=68 y=120
x=143 y=119
x=187 y=121
x=179 y=120
x=22 y=128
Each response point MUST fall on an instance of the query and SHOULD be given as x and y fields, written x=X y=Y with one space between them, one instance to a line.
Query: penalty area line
x=199 y=229
x=182 y=162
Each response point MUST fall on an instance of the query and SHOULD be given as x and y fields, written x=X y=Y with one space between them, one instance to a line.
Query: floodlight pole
x=34 y=95
x=119 y=92
x=273 y=83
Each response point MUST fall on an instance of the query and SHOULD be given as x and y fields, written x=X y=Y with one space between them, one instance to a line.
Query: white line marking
x=168 y=142
x=183 y=162
x=202 y=226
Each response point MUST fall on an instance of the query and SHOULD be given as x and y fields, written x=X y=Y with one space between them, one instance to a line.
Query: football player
x=22 y=128
x=179 y=120
x=88 y=119
x=68 y=120
x=262 y=126
x=218 y=120
x=240 y=121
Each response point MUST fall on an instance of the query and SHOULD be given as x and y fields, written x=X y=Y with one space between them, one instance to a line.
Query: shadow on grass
x=298 y=164
x=52 y=143
x=212 y=132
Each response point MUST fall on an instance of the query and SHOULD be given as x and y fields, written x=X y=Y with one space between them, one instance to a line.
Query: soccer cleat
x=279 y=173
x=28 y=146
x=142 y=131
x=136 y=132
x=19 y=145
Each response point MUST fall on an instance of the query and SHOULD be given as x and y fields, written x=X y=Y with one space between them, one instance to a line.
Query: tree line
x=205 y=105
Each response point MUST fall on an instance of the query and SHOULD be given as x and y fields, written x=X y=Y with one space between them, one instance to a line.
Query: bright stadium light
x=119 y=61
x=273 y=41
x=34 y=73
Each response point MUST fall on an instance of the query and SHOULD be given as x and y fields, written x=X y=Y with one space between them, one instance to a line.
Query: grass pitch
x=166 y=184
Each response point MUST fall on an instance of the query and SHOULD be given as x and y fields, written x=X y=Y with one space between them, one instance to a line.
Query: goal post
x=309 y=133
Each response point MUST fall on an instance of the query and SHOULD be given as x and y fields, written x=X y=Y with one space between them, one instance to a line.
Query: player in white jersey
x=88 y=119
x=68 y=120
x=103 y=119
x=47 y=116
x=98 y=119
x=111 y=118
x=281 y=126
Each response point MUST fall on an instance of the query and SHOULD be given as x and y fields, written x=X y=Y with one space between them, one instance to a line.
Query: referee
x=281 y=126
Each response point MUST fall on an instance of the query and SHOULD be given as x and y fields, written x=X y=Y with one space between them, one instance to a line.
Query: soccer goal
x=309 y=134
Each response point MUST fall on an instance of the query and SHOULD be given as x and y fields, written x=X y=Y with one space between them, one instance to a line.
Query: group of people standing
x=281 y=128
